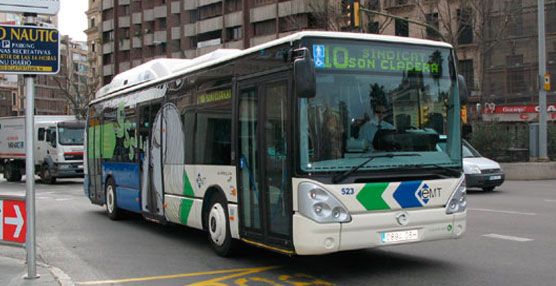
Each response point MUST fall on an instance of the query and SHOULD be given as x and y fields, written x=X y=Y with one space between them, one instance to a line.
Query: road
x=511 y=240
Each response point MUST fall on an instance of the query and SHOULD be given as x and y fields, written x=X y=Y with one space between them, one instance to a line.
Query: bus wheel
x=46 y=176
x=219 y=227
x=111 y=202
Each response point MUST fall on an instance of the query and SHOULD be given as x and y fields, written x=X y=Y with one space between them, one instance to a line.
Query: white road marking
x=550 y=201
x=507 y=237
x=502 y=211
x=61 y=200
x=43 y=198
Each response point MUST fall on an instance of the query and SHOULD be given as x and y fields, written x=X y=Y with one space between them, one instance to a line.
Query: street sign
x=48 y=7
x=29 y=50
x=547 y=82
x=12 y=221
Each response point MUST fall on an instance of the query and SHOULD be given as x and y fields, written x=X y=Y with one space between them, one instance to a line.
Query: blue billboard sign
x=29 y=50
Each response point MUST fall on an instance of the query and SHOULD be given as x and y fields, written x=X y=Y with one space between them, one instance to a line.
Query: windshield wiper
x=340 y=177
x=452 y=171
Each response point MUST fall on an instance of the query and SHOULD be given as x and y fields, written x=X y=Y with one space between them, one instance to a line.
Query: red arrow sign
x=12 y=221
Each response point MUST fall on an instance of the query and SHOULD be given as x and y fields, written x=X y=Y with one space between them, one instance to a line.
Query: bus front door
x=264 y=182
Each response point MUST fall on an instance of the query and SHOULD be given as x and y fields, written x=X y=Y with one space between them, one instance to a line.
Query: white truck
x=58 y=147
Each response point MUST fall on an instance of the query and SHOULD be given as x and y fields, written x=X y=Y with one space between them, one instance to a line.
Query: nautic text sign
x=12 y=221
x=29 y=50
x=48 y=7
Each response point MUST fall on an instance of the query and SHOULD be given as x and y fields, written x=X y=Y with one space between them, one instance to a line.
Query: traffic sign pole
x=30 y=244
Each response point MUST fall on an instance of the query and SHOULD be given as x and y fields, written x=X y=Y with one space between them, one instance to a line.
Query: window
x=41 y=134
x=264 y=28
x=92 y=22
x=14 y=98
x=93 y=47
x=213 y=127
x=233 y=5
x=162 y=24
x=432 y=20
x=108 y=36
x=210 y=11
x=402 y=28
x=373 y=27
x=465 y=26
x=234 y=33
x=465 y=68
x=550 y=18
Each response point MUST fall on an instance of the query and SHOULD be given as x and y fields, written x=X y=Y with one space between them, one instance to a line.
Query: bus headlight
x=319 y=205
x=458 y=202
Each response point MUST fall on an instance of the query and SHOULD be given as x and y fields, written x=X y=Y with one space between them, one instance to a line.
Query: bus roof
x=160 y=70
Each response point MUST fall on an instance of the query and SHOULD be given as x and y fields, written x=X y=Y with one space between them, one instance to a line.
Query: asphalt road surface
x=511 y=240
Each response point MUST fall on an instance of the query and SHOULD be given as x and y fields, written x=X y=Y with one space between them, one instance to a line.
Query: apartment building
x=136 y=31
x=495 y=40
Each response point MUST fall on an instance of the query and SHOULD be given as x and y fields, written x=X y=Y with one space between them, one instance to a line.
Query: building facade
x=495 y=40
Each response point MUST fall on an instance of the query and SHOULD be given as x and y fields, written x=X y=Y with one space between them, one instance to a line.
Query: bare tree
x=460 y=19
x=78 y=94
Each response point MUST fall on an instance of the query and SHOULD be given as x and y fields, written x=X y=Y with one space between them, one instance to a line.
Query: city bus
x=270 y=145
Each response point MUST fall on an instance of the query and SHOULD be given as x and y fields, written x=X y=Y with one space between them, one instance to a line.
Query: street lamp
x=172 y=43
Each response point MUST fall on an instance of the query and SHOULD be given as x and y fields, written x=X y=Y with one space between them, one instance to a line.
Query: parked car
x=480 y=172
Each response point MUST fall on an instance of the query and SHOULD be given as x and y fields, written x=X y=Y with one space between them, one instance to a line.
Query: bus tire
x=46 y=175
x=11 y=173
x=111 y=201
x=218 y=226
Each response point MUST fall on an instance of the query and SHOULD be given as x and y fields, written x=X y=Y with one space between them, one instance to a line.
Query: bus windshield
x=379 y=98
x=71 y=133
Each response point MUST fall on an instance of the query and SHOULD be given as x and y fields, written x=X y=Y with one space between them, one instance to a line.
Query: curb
x=529 y=170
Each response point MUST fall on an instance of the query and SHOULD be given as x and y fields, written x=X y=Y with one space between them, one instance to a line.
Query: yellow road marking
x=216 y=281
x=243 y=270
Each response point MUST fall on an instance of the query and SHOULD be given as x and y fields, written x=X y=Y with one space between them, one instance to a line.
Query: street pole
x=542 y=93
x=30 y=244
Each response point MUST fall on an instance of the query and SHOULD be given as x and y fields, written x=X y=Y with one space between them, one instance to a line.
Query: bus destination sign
x=29 y=50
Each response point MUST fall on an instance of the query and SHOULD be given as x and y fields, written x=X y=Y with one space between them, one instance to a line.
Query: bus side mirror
x=304 y=73
x=463 y=91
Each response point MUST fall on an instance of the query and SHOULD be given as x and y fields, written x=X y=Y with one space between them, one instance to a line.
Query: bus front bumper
x=366 y=230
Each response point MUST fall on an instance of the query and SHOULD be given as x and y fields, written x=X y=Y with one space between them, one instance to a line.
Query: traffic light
x=424 y=115
x=353 y=13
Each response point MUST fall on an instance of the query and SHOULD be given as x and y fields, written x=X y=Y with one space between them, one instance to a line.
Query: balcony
x=108 y=25
x=124 y=22
x=176 y=35
x=175 y=9
x=160 y=12
x=160 y=36
x=136 y=42
x=108 y=69
x=263 y=13
x=148 y=15
x=107 y=4
x=125 y=44
x=108 y=48
x=137 y=18
x=189 y=30
x=209 y=25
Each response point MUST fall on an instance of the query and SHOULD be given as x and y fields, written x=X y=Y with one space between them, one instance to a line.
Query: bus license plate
x=495 y=178
x=397 y=236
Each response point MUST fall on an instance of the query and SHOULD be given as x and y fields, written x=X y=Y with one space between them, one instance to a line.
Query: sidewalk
x=12 y=271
